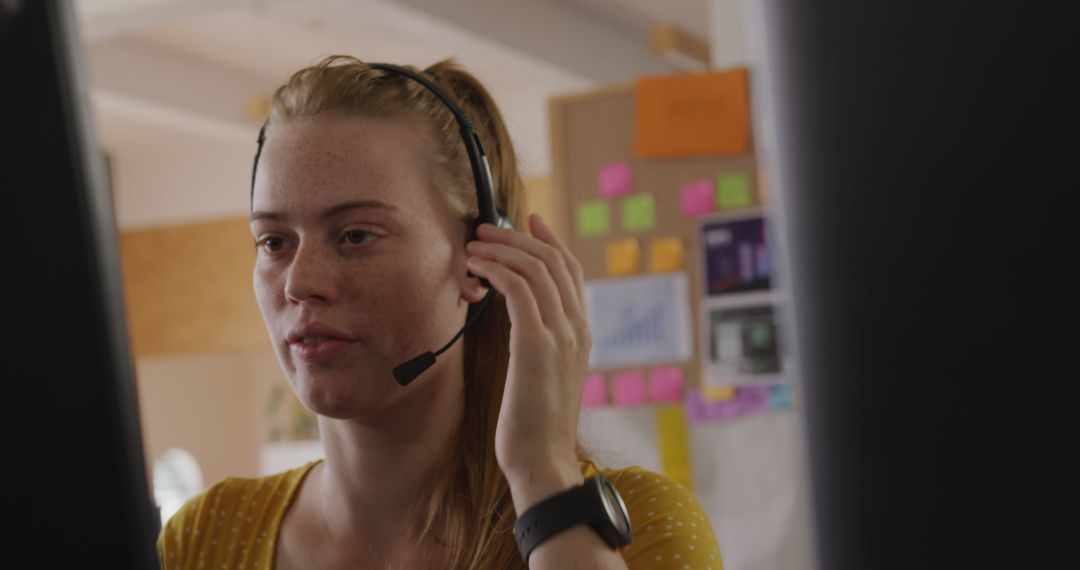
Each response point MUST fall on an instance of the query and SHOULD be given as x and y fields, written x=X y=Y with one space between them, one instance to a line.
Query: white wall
x=747 y=476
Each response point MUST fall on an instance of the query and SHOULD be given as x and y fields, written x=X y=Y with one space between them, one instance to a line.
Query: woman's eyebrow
x=332 y=211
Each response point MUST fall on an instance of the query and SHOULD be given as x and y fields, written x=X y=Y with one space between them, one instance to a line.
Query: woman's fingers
x=543 y=289
x=560 y=264
x=520 y=302
x=541 y=230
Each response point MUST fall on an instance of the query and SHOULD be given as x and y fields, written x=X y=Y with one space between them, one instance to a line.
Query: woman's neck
x=380 y=472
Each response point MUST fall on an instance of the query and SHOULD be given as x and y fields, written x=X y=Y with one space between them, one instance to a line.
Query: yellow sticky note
x=665 y=254
x=718 y=393
x=623 y=257
x=673 y=444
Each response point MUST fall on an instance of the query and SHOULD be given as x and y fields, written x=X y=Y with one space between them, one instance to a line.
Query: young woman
x=364 y=210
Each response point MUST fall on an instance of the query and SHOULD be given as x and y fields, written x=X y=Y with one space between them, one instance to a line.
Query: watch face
x=616 y=509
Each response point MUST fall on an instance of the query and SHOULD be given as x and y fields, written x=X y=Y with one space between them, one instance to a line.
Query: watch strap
x=574 y=506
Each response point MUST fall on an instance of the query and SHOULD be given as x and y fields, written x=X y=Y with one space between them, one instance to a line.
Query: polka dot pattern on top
x=671 y=530
x=234 y=524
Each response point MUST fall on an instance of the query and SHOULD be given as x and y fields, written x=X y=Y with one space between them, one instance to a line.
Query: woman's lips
x=332 y=342
x=322 y=352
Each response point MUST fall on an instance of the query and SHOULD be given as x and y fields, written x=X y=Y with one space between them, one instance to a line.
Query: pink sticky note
x=615 y=179
x=666 y=384
x=629 y=388
x=698 y=197
x=595 y=391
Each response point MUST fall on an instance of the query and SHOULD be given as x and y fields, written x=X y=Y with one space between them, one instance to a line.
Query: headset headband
x=485 y=192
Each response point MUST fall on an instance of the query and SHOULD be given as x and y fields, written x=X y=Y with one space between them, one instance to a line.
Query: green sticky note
x=594 y=218
x=733 y=191
x=638 y=212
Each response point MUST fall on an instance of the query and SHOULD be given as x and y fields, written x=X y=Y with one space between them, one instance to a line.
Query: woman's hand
x=536 y=436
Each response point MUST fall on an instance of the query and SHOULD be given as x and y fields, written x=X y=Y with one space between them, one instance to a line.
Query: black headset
x=485 y=201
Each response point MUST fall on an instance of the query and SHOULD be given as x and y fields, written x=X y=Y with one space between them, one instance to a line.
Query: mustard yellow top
x=235 y=523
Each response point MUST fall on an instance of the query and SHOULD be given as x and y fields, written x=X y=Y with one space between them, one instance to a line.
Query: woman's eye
x=358 y=237
x=271 y=244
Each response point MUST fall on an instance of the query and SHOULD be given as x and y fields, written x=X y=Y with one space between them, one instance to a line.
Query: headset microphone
x=407 y=372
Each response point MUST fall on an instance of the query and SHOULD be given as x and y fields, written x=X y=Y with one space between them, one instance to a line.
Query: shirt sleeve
x=670 y=529
x=169 y=548
x=175 y=541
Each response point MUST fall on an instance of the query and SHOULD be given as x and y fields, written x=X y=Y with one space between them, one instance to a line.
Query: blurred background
x=688 y=375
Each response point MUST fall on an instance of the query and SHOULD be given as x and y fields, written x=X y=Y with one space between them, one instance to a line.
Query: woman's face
x=355 y=242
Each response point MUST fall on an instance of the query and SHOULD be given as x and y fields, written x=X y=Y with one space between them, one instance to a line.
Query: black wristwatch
x=596 y=503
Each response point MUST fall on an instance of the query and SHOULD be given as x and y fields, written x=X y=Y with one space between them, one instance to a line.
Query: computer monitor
x=926 y=167
x=75 y=480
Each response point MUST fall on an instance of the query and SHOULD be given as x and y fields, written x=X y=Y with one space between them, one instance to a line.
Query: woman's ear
x=472 y=290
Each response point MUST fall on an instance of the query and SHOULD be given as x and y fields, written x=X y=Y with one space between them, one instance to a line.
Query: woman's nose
x=310 y=278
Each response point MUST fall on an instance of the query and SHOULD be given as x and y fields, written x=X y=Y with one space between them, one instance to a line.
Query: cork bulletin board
x=594 y=133
x=718 y=445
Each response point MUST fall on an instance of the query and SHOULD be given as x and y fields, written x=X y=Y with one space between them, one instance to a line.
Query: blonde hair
x=470 y=511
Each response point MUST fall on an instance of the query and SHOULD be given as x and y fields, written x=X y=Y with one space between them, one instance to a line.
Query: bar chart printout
x=643 y=320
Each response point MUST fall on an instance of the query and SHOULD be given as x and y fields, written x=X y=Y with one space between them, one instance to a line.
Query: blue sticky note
x=780 y=396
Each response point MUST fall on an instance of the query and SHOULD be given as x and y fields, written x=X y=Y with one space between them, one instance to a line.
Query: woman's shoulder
x=247 y=508
x=634 y=482
x=669 y=524
x=242 y=491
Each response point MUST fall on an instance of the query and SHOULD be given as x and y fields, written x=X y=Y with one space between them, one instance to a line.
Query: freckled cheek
x=394 y=297
x=378 y=293
x=269 y=292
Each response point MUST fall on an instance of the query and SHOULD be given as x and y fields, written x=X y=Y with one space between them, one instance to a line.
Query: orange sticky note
x=700 y=114
x=623 y=257
x=665 y=254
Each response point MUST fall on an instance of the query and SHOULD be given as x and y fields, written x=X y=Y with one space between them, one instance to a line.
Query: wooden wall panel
x=188 y=289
